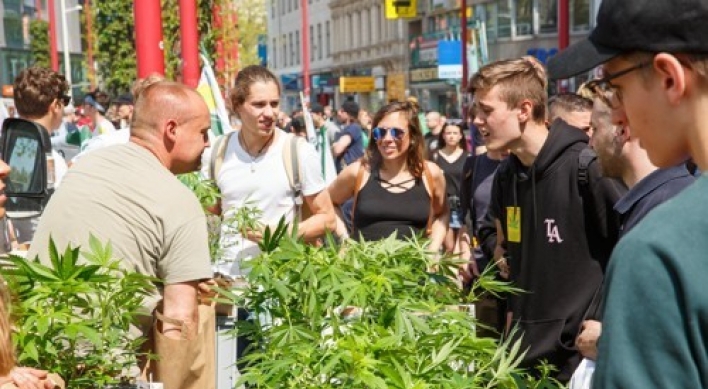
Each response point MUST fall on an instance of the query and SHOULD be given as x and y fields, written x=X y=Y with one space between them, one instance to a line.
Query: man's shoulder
x=672 y=223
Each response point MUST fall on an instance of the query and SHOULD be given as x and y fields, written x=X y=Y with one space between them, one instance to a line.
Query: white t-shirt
x=262 y=183
x=118 y=137
x=104 y=126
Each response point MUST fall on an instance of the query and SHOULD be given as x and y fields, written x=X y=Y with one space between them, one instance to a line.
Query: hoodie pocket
x=547 y=339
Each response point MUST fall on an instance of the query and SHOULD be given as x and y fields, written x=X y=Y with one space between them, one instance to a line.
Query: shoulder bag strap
x=292 y=170
x=218 y=154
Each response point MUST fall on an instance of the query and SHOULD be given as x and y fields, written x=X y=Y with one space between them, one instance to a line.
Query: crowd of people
x=589 y=202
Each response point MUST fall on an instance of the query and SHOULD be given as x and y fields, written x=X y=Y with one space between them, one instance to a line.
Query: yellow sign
x=356 y=84
x=396 y=87
x=424 y=74
x=401 y=9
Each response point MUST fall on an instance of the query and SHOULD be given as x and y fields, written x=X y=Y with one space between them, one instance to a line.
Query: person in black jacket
x=555 y=230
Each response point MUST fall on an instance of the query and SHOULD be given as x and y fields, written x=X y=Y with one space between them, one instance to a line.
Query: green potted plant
x=74 y=318
x=366 y=315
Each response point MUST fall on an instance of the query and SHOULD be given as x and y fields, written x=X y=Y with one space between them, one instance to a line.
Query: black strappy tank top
x=380 y=213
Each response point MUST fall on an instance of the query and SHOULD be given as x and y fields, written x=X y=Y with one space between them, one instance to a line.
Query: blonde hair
x=7 y=349
x=518 y=79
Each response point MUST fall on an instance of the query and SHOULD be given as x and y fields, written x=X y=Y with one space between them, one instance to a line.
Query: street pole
x=148 y=37
x=189 y=42
x=65 y=44
x=53 y=53
x=305 y=49
x=563 y=24
x=465 y=68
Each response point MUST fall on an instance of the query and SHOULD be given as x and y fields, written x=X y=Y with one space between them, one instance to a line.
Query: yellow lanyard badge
x=513 y=224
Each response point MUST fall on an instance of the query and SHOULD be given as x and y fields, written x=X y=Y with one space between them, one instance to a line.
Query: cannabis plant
x=208 y=195
x=366 y=315
x=73 y=318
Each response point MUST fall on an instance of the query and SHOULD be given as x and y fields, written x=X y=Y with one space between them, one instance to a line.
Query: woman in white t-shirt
x=253 y=172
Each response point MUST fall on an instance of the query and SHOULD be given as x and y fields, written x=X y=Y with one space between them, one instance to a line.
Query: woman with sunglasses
x=395 y=190
x=450 y=156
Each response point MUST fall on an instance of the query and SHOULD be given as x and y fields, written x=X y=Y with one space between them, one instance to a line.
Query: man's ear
x=170 y=127
x=525 y=111
x=672 y=76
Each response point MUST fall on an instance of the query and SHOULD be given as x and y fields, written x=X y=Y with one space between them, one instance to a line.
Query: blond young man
x=655 y=326
x=553 y=233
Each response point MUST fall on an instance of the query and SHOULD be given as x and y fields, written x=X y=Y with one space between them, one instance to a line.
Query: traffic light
x=401 y=9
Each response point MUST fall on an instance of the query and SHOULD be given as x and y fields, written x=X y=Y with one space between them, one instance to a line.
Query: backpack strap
x=585 y=158
x=218 y=152
x=357 y=186
x=293 y=170
x=428 y=176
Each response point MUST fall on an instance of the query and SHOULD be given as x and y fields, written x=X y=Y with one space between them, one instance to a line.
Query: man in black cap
x=124 y=107
x=655 y=64
x=349 y=145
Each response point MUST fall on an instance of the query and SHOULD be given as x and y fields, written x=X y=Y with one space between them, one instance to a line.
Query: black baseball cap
x=625 y=26
x=316 y=108
x=124 y=99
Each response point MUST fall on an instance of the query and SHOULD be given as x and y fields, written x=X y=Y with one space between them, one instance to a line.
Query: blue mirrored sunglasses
x=379 y=133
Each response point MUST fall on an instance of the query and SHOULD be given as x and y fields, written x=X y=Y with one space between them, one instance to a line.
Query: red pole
x=465 y=68
x=148 y=37
x=53 y=53
x=305 y=48
x=190 y=42
x=563 y=24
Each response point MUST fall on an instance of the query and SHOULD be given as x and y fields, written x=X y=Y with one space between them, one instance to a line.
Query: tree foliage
x=251 y=25
x=115 y=45
x=39 y=43
x=115 y=39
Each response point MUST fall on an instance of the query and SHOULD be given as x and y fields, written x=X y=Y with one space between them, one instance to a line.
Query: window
x=327 y=40
x=296 y=4
x=524 y=17
x=548 y=16
x=375 y=26
x=282 y=7
x=274 y=54
x=297 y=48
x=366 y=31
x=355 y=29
x=319 y=41
x=312 y=43
x=292 y=51
x=580 y=15
x=272 y=9
x=489 y=11
x=504 y=19
x=290 y=5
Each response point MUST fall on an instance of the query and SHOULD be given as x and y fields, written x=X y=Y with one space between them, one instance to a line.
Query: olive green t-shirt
x=124 y=195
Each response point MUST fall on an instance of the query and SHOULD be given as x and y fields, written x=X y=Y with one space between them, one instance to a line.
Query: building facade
x=285 y=50
x=15 y=39
x=381 y=59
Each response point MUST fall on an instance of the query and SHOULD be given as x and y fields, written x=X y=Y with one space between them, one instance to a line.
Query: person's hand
x=465 y=273
x=501 y=262
x=205 y=288
x=587 y=340
x=28 y=378
x=254 y=235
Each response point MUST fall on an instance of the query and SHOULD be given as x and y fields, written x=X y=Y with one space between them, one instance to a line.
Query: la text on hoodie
x=558 y=237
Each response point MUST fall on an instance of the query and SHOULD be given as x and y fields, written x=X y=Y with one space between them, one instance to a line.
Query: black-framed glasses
x=607 y=92
x=379 y=133
x=65 y=99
